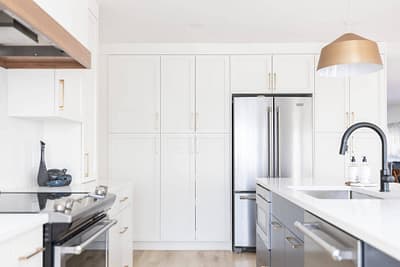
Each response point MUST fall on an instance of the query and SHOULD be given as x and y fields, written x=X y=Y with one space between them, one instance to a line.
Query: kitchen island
x=373 y=219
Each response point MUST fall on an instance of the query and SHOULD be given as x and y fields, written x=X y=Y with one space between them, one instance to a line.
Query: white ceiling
x=211 y=21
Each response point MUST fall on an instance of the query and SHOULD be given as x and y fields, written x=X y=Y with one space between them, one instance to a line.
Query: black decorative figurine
x=43 y=176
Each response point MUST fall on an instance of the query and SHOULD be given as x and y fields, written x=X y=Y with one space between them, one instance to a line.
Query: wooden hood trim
x=33 y=15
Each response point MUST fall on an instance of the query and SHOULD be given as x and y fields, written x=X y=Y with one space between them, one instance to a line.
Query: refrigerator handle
x=277 y=163
x=270 y=141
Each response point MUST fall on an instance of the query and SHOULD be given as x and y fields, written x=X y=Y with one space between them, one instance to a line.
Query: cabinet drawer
x=287 y=212
x=23 y=250
x=264 y=193
x=123 y=200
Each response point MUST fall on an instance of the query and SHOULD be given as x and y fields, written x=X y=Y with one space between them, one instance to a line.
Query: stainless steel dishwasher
x=328 y=246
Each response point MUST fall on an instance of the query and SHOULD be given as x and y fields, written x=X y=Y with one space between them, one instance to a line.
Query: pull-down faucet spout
x=386 y=176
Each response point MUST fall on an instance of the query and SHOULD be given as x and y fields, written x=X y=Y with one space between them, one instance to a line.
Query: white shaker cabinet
x=251 y=74
x=367 y=98
x=293 y=73
x=329 y=165
x=212 y=94
x=178 y=187
x=136 y=158
x=213 y=187
x=45 y=93
x=134 y=94
x=24 y=250
x=331 y=104
x=115 y=244
x=177 y=94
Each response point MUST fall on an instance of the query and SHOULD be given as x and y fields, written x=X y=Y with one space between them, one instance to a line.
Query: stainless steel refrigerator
x=272 y=137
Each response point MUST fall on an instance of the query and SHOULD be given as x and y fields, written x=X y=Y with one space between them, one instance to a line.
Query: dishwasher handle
x=336 y=253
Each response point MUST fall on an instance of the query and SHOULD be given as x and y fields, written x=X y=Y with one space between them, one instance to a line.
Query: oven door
x=87 y=248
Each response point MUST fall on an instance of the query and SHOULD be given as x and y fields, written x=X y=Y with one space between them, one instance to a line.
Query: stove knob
x=69 y=203
x=59 y=207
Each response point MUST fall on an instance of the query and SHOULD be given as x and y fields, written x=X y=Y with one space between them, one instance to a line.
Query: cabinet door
x=115 y=244
x=30 y=93
x=126 y=237
x=331 y=104
x=136 y=158
x=212 y=187
x=329 y=166
x=293 y=73
x=277 y=243
x=294 y=250
x=177 y=188
x=177 y=94
x=368 y=98
x=134 y=94
x=212 y=94
x=89 y=106
x=251 y=74
x=68 y=84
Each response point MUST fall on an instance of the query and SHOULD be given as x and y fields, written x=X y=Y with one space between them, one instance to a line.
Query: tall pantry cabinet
x=169 y=134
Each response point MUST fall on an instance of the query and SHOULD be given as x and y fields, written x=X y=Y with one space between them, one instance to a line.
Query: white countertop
x=375 y=221
x=13 y=225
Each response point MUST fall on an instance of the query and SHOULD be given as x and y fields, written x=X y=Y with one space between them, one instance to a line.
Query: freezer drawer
x=245 y=220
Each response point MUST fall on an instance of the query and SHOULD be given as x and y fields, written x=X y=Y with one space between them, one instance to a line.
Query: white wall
x=19 y=145
x=393 y=113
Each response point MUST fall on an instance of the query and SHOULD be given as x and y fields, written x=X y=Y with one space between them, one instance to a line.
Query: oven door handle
x=77 y=250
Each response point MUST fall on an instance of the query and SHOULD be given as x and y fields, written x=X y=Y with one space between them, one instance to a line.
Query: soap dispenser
x=365 y=172
x=353 y=171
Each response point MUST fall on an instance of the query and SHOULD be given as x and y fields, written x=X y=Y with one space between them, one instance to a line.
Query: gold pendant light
x=349 y=55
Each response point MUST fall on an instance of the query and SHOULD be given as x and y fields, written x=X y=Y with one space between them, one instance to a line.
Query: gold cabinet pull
x=123 y=200
x=87 y=165
x=61 y=94
x=124 y=230
x=274 y=81
x=346 y=120
x=37 y=251
x=353 y=117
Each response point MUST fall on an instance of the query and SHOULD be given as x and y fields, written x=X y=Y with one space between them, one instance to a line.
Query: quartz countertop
x=375 y=221
x=13 y=225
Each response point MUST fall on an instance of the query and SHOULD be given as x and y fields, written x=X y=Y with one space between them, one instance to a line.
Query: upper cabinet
x=272 y=74
x=293 y=73
x=45 y=94
x=178 y=94
x=134 y=94
x=251 y=74
x=212 y=94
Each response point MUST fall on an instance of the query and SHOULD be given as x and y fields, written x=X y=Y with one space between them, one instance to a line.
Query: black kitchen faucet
x=386 y=176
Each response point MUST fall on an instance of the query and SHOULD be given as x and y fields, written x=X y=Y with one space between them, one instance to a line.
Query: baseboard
x=182 y=246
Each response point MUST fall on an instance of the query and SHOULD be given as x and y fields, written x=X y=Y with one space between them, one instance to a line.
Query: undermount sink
x=337 y=194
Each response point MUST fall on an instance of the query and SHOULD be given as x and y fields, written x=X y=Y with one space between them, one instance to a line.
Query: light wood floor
x=193 y=259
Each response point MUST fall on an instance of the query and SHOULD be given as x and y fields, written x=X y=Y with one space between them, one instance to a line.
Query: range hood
x=30 y=38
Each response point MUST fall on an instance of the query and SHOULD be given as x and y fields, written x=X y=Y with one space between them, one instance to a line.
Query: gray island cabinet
x=292 y=239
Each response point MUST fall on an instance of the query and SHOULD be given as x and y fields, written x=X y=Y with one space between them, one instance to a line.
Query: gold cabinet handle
x=353 y=117
x=124 y=230
x=274 y=81
x=61 y=94
x=37 y=251
x=276 y=225
x=87 y=165
x=346 y=120
x=123 y=200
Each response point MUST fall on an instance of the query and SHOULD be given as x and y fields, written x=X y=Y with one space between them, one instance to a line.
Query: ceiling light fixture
x=349 y=55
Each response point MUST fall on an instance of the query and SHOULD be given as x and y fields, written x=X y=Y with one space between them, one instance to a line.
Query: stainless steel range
x=77 y=232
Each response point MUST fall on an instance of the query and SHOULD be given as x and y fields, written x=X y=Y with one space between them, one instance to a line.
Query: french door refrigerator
x=272 y=137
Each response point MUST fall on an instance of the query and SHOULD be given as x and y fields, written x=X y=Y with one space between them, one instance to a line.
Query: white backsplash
x=19 y=145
